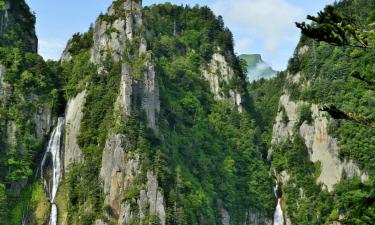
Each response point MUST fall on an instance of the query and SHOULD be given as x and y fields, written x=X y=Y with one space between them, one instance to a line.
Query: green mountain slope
x=162 y=126
x=323 y=145
x=29 y=101
x=257 y=68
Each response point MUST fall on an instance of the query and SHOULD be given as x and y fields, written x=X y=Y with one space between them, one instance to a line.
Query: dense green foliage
x=212 y=154
x=29 y=87
x=338 y=28
x=266 y=95
x=340 y=79
x=351 y=202
x=101 y=91
x=17 y=29
x=207 y=155
x=329 y=70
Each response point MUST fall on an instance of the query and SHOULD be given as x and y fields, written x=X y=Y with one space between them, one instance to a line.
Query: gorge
x=149 y=118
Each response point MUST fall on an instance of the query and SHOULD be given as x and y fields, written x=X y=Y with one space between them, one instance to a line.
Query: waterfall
x=51 y=183
x=278 y=218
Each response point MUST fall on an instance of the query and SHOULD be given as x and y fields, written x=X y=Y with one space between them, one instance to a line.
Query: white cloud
x=272 y=21
x=51 y=49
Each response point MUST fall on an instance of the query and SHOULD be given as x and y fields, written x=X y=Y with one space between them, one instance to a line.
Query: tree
x=339 y=29
x=336 y=28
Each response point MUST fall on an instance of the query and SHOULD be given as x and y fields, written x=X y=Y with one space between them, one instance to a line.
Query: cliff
x=133 y=99
x=315 y=155
x=29 y=103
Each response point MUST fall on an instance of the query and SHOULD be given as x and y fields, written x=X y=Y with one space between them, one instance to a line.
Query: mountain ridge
x=162 y=126
x=257 y=68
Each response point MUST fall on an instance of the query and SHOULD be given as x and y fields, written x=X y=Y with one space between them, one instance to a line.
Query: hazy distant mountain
x=257 y=68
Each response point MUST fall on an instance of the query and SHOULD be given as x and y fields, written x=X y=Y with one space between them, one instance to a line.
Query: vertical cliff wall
x=143 y=119
x=320 y=149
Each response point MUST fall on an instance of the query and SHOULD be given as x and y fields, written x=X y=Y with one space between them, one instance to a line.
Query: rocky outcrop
x=282 y=130
x=2 y=84
x=218 y=74
x=254 y=217
x=111 y=31
x=66 y=55
x=18 y=12
x=119 y=172
x=73 y=117
x=129 y=198
x=43 y=122
x=225 y=217
x=322 y=147
x=147 y=90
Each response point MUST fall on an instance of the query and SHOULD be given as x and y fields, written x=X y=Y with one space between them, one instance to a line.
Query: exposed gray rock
x=219 y=71
x=254 y=217
x=66 y=56
x=303 y=50
x=282 y=131
x=12 y=134
x=322 y=147
x=124 y=100
x=43 y=122
x=146 y=90
x=4 y=87
x=111 y=36
x=100 y=222
x=73 y=117
x=2 y=72
x=150 y=101
x=118 y=172
x=225 y=217
x=155 y=198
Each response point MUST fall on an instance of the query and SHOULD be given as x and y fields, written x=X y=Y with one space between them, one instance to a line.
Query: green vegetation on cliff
x=207 y=155
x=29 y=95
x=336 y=79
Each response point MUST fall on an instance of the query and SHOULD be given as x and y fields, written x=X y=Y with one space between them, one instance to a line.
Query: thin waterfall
x=278 y=217
x=51 y=184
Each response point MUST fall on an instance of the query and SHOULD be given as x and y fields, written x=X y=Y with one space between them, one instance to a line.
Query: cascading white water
x=54 y=149
x=278 y=218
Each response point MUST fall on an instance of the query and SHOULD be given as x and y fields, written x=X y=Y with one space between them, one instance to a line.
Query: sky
x=263 y=27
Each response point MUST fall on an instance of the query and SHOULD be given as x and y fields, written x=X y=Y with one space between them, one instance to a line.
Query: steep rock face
x=16 y=17
x=281 y=130
x=120 y=171
x=66 y=55
x=220 y=71
x=111 y=31
x=2 y=72
x=147 y=90
x=73 y=117
x=43 y=121
x=254 y=217
x=322 y=147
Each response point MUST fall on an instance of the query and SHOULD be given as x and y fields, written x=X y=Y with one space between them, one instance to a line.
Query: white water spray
x=51 y=185
x=278 y=218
